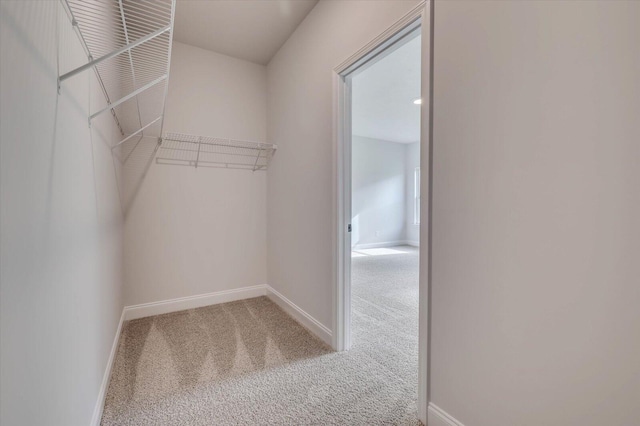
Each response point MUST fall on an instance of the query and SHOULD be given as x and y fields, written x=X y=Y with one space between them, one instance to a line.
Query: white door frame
x=419 y=16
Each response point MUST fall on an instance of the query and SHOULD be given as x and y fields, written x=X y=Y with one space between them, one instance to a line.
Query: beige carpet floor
x=249 y=363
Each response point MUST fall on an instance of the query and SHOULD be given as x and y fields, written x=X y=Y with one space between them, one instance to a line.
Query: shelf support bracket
x=255 y=165
x=135 y=133
x=198 y=155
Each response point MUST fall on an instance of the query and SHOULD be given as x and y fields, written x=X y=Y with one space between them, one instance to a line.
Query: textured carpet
x=248 y=363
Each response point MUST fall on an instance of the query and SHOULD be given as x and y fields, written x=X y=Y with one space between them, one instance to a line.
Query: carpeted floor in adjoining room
x=249 y=363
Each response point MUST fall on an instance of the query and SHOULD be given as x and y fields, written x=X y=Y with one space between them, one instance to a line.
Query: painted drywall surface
x=61 y=224
x=412 y=160
x=378 y=191
x=300 y=121
x=195 y=231
x=536 y=213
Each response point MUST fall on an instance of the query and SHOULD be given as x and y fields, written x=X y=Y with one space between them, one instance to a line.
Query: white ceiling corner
x=252 y=30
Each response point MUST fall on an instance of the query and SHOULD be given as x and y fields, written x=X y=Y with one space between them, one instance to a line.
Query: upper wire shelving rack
x=128 y=45
x=203 y=151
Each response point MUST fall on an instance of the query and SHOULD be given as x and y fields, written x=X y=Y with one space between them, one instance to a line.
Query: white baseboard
x=97 y=411
x=438 y=417
x=191 y=302
x=299 y=315
x=413 y=243
x=381 y=245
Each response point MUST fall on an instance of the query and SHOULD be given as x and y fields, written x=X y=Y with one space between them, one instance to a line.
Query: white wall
x=300 y=121
x=536 y=213
x=378 y=192
x=194 y=231
x=61 y=224
x=412 y=160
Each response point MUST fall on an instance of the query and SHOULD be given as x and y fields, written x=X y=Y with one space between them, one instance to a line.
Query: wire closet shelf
x=203 y=151
x=128 y=46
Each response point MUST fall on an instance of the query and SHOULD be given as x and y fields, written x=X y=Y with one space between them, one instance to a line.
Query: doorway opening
x=380 y=133
x=385 y=209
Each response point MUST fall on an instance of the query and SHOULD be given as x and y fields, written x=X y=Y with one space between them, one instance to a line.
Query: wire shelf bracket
x=140 y=130
x=204 y=151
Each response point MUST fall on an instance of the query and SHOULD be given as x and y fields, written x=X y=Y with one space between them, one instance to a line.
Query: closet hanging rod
x=117 y=52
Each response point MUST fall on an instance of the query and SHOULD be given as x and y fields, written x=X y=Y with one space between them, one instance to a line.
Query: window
x=416 y=196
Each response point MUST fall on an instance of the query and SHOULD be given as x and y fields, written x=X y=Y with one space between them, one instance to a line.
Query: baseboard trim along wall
x=102 y=394
x=198 y=301
x=191 y=302
x=386 y=244
x=309 y=322
x=438 y=417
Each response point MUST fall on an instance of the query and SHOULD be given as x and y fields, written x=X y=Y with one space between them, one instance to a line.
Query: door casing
x=418 y=18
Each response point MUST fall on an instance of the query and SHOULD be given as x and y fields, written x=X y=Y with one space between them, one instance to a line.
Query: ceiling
x=253 y=30
x=383 y=95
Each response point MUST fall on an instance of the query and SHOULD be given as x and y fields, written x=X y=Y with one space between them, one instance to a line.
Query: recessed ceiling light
x=417 y=101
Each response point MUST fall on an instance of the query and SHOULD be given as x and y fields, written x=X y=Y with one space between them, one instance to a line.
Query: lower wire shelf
x=203 y=151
